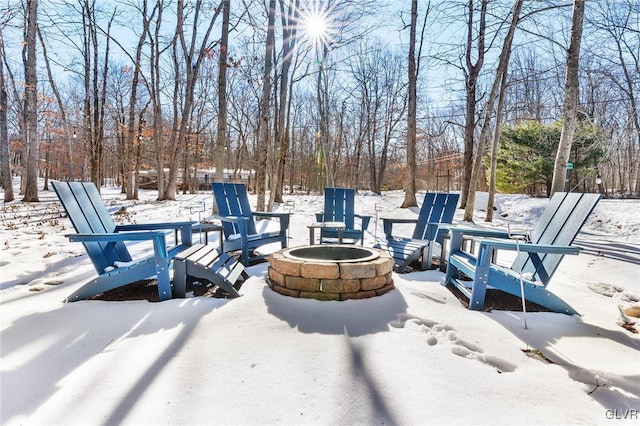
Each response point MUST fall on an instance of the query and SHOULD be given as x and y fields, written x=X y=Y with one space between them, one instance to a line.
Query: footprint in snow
x=438 y=332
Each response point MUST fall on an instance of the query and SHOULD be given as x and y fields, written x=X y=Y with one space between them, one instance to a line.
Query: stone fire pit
x=330 y=272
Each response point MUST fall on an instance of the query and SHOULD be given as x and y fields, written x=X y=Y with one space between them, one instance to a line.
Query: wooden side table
x=319 y=225
x=206 y=227
x=468 y=245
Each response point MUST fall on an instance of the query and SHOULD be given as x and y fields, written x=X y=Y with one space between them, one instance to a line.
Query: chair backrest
x=232 y=200
x=89 y=215
x=436 y=208
x=339 y=206
x=559 y=225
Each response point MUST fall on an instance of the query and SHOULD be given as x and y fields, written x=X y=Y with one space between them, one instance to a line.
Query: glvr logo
x=622 y=414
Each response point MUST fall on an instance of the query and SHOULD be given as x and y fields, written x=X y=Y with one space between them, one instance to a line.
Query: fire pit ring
x=332 y=253
x=330 y=272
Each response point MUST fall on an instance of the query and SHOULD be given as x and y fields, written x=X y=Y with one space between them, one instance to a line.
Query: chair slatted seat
x=339 y=206
x=536 y=261
x=105 y=242
x=238 y=220
x=437 y=209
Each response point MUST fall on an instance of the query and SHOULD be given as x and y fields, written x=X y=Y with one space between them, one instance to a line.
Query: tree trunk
x=177 y=134
x=4 y=131
x=96 y=136
x=289 y=19
x=503 y=65
x=63 y=114
x=133 y=137
x=221 y=138
x=192 y=57
x=328 y=162
x=87 y=132
x=471 y=81
x=95 y=93
x=494 y=149
x=410 y=181
x=155 y=94
x=31 y=101
x=265 y=128
x=570 y=108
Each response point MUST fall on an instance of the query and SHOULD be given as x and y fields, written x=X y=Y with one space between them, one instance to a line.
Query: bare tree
x=357 y=144
x=527 y=87
x=61 y=107
x=155 y=85
x=323 y=100
x=410 y=182
x=243 y=108
x=614 y=23
x=95 y=80
x=503 y=64
x=471 y=74
x=31 y=101
x=221 y=135
x=496 y=145
x=382 y=94
x=265 y=101
x=289 y=14
x=570 y=108
x=188 y=56
x=133 y=136
x=344 y=21
x=4 y=131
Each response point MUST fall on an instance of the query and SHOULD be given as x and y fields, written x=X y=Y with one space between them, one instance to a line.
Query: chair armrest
x=513 y=245
x=185 y=228
x=115 y=237
x=487 y=249
x=387 y=225
x=479 y=232
x=457 y=236
x=232 y=219
x=271 y=214
x=458 y=232
x=233 y=232
x=157 y=238
x=390 y=220
x=153 y=226
x=365 y=219
x=284 y=219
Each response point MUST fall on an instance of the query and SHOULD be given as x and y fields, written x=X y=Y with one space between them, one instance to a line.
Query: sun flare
x=316 y=24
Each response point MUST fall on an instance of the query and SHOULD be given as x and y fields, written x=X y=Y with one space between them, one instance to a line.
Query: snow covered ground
x=411 y=356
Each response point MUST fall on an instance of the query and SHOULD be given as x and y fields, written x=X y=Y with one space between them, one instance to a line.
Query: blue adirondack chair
x=339 y=206
x=238 y=221
x=437 y=209
x=536 y=261
x=104 y=242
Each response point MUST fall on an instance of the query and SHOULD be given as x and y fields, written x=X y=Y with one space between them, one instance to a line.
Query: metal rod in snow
x=519 y=260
